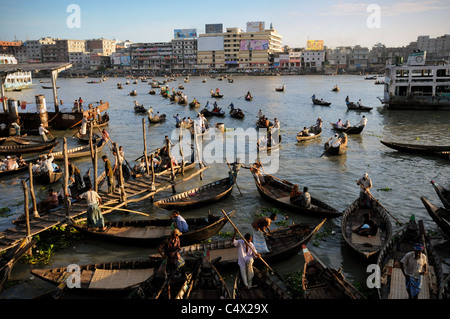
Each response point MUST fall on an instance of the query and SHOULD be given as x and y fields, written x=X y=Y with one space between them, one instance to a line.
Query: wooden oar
x=371 y=196
x=254 y=251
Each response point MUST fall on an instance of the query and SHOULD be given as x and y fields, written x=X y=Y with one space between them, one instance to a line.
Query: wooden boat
x=85 y=137
x=194 y=105
x=22 y=146
x=349 y=130
x=182 y=101
x=20 y=169
x=314 y=132
x=335 y=89
x=133 y=93
x=207 y=112
x=443 y=193
x=248 y=98
x=262 y=145
x=352 y=106
x=199 y=196
x=140 y=108
x=441 y=216
x=119 y=86
x=11 y=257
x=159 y=119
x=47 y=177
x=237 y=113
x=392 y=279
x=117 y=277
x=353 y=217
x=151 y=232
x=217 y=95
x=337 y=150
x=278 y=192
x=320 y=102
x=184 y=125
x=45 y=87
x=180 y=87
x=416 y=148
x=76 y=152
x=266 y=287
x=280 y=89
x=206 y=283
x=285 y=243
x=322 y=282
x=260 y=125
x=152 y=92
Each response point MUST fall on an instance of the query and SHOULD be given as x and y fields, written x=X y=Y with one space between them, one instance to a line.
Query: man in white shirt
x=363 y=121
x=94 y=214
x=83 y=125
x=414 y=265
x=43 y=132
x=47 y=164
x=246 y=253
x=365 y=185
x=334 y=141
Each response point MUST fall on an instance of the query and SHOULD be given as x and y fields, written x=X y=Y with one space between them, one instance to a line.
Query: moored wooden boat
x=416 y=148
x=22 y=146
x=77 y=152
x=265 y=287
x=199 y=196
x=314 y=131
x=285 y=243
x=322 y=282
x=20 y=169
x=353 y=217
x=441 y=216
x=206 y=283
x=278 y=192
x=85 y=137
x=337 y=149
x=119 y=277
x=443 y=193
x=151 y=232
x=392 y=278
x=349 y=130
x=47 y=177
x=320 y=102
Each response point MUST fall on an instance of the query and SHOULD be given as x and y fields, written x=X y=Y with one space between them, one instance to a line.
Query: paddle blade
x=307 y=255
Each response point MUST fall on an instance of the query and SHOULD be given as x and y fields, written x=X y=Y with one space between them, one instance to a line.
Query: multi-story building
x=313 y=59
x=358 y=58
x=147 y=58
x=64 y=50
x=185 y=55
x=211 y=51
x=32 y=50
x=337 y=58
x=101 y=46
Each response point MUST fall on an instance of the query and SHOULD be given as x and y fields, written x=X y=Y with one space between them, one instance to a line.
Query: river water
x=399 y=179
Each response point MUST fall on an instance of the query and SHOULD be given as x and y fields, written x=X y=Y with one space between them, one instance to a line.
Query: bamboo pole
x=33 y=197
x=145 y=146
x=123 y=195
x=200 y=161
x=95 y=165
x=181 y=151
x=66 y=178
x=172 y=174
x=25 y=207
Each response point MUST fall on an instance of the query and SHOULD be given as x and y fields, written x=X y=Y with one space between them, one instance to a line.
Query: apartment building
x=184 y=53
x=146 y=58
x=101 y=46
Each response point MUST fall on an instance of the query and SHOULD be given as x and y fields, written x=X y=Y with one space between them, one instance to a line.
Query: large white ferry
x=18 y=80
x=417 y=84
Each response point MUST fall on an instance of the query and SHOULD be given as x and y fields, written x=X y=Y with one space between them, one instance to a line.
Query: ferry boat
x=17 y=81
x=417 y=85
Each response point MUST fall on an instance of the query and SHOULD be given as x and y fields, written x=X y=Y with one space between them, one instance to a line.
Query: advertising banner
x=254 y=45
x=210 y=43
x=314 y=45
x=214 y=28
x=184 y=33
x=255 y=26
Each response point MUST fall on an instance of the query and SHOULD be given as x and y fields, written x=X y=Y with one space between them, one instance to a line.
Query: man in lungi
x=246 y=255
x=414 y=266
x=94 y=214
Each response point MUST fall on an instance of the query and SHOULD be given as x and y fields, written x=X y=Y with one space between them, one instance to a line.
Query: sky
x=393 y=23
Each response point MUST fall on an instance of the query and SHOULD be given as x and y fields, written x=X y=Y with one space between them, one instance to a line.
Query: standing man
x=246 y=255
x=414 y=266
x=109 y=174
x=260 y=227
x=76 y=173
x=83 y=129
x=363 y=121
x=364 y=195
x=169 y=249
x=42 y=132
x=94 y=214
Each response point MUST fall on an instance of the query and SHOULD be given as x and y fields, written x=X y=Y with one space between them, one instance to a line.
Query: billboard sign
x=314 y=45
x=184 y=33
x=255 y=26
x=210 y=43
x=254 y=45
x=214 y=28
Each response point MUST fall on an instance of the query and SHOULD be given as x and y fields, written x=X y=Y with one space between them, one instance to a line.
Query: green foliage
x=48 y=242
x=294 y=280
x=386 y=189
x=369 y=293
x=321 y=236
x=4 y=211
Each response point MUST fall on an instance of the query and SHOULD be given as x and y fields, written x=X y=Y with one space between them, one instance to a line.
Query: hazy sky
x=336 y=22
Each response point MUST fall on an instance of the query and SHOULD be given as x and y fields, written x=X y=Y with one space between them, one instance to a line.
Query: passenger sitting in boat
x=104 y=139
x=10 y=164
x=249 y=96
x=305 y=198
x=140 y=168
x=304 y=132
x=20 y=161
x=2 y=167
x=359 y=104
x=367 y=228
x=157 y=162
x=51 y=201
x=47 y=164
x=260 y=114
x=347 y=124
x=335 y=141
x=339 y=124
x=295 y=196
x=179 y=222
x=37 y=166
x=266 y=122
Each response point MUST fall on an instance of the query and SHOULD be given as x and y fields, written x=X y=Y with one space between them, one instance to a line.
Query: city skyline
x=338 y=23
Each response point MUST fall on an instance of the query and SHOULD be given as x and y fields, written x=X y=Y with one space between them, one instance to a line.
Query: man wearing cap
x=414 y=265
x=334 y=141
x=366 y=184
x=169 y=249
x=42 y=132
